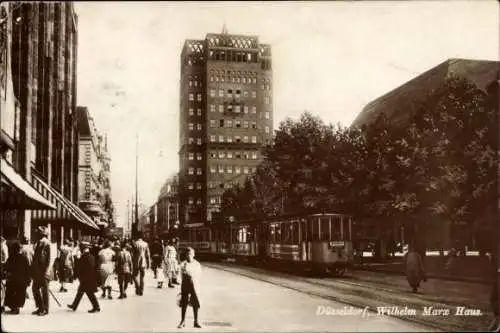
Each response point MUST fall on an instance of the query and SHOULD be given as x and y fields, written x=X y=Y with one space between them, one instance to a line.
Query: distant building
x=226 y=117
x=94 y=189
x=167 y=206
x=399 y=104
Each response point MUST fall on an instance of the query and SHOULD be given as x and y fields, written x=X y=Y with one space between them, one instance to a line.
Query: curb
x=430 y=276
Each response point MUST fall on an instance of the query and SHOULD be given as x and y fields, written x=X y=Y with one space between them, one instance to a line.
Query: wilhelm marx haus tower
x=226 y=117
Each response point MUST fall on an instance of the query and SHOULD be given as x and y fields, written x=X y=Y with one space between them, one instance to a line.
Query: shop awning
x=65 y=209
x=17 y=193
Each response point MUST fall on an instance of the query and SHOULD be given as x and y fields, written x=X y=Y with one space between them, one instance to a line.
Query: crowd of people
x=96 y=266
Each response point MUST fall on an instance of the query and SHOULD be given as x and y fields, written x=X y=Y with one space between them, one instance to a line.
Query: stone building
x=94 y=189
x=226 y=116
x=43 y=54
x=167 y=207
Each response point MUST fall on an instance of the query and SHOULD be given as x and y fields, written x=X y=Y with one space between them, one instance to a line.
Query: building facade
x=94 y=189
x=226 y=116
x=167 y=207
x=43 y=53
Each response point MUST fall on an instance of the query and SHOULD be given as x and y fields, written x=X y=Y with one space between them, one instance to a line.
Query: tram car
x=318 y=242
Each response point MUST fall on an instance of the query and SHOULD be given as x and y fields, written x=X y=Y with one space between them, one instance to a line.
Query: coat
x=18 y=279
x=124 y=262
x=415 y=272
x=41 y=268
x=190 y=285
x=140 y=255
x=87 y=273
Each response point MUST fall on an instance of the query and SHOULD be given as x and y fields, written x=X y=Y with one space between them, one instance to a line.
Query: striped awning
x=65 y=209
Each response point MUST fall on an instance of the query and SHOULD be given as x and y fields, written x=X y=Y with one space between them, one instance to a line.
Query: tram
x=318 y=242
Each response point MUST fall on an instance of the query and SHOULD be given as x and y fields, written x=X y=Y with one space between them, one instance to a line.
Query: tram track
x=363 y=295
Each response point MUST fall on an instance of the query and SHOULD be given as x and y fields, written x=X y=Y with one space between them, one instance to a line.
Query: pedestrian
x=157 y=256
x=4 y=255
x=27 y=251
x=415 y=272
x=124 y=268
x=41 y=271
x=141 y=260
x=18 y=279
x=106 y=268
x=190 y=287
x=170 y=267
x=86 y=272
x=65 y=264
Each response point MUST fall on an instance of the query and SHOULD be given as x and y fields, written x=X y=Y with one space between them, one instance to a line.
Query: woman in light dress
x=170 y=265
x=106 y=268
x=190 y=287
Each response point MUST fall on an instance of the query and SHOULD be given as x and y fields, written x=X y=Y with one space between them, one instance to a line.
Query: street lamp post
x=135 y=224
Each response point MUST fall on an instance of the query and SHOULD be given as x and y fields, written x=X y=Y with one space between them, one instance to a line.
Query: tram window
x=347 y=224
x=295 y=232
x=325 y=228
x=287 y=232
x=278 y=233
x=272 y=233
x=335 y=228
x=303 y=231
x=314 y=234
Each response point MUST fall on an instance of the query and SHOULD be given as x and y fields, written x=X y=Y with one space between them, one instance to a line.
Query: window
x=229 y=139
x=213 y=123
x=221 y=92
x=237 y=154
x=212 y=200
x=221 y=169
x=229 y=154
x=211 y=78
x=212 y=92
x=229 y=123
x=254 y=94
x=245 y=170
x=245 y=139
x=229 y=169
x=266 y=99
x=211 y=185
x=221 y=108
x=254 y=125
x=191 y=171
x=191 y=111
x=199 y=156
x=191 y=126
x=221 y=138
x=198 y=111
x=254 y=155
x=190 y=156
x=245 y=109
x=191 y=96
x=229 y=93
x=254 y=109
x=221 y=154
x=198 y=186
x=198 y=202
x=237 y=94
x=245 y=93
x=267 y=129
x=230 y=108
x=199 y=172
x=198 y=97
x=190 y=201
x=267 y=114
x=237 y=169
x=254 y=169
x=229 y=185
x=254 y=139
x=213 y=154
x=216 y=79
x=198 y=141
x=237 y=123
x=221 y=123
x=245 y=155
x=245 y=124
x=222 y=79
x=238 y=79
x=198 y=127
x=254 y=80
x=262 y=87
x=212 y=107
x=237 y=108
x=212 y=138
x=191 y=141
x=237 y=138
x=244 y=80
x=213 y=169
x=191 y=186
x=268 y=86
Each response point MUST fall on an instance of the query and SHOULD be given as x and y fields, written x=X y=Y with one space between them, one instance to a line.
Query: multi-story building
x=226 y=116
x=94 y=189
x=167 y=206
x=43 y=51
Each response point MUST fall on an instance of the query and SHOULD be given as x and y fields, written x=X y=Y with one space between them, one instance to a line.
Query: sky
x=329 y=58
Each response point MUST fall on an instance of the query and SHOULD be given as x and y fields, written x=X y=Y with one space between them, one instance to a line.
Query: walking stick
x=54 y=297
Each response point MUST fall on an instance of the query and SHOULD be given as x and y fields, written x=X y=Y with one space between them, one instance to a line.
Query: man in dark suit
x=41 y=272
x=86 y=272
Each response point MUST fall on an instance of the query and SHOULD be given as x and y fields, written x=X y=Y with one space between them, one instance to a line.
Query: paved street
x=230 y=303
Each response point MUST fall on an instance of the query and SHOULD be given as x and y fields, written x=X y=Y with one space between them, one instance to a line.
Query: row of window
x=199 y=171
x=246 y=155
x=195 y=83
x=237 y=139
x=191 y=112
x=230 y=168
x=215 y=200
x=226 y=185
x=198 y=127
x=230 y=94
x=191 y=201
x=234 y=79
x=199 y=156
x=198 y=141
x=199 y=97
x=229 y=123
x=191 y=186
x=229 y=73
x=233 y=108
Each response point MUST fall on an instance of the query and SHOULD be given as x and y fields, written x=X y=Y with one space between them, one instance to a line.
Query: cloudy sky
x=329 y=58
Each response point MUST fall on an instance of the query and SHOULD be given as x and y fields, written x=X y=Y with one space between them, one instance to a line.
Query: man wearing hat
x=41 y=272
x=87 y=274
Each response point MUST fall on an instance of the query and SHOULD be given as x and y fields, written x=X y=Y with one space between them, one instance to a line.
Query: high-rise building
x=226 y=117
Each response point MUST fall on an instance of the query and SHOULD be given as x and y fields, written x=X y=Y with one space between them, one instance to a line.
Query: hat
x=43 y=230
x=84 y=245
